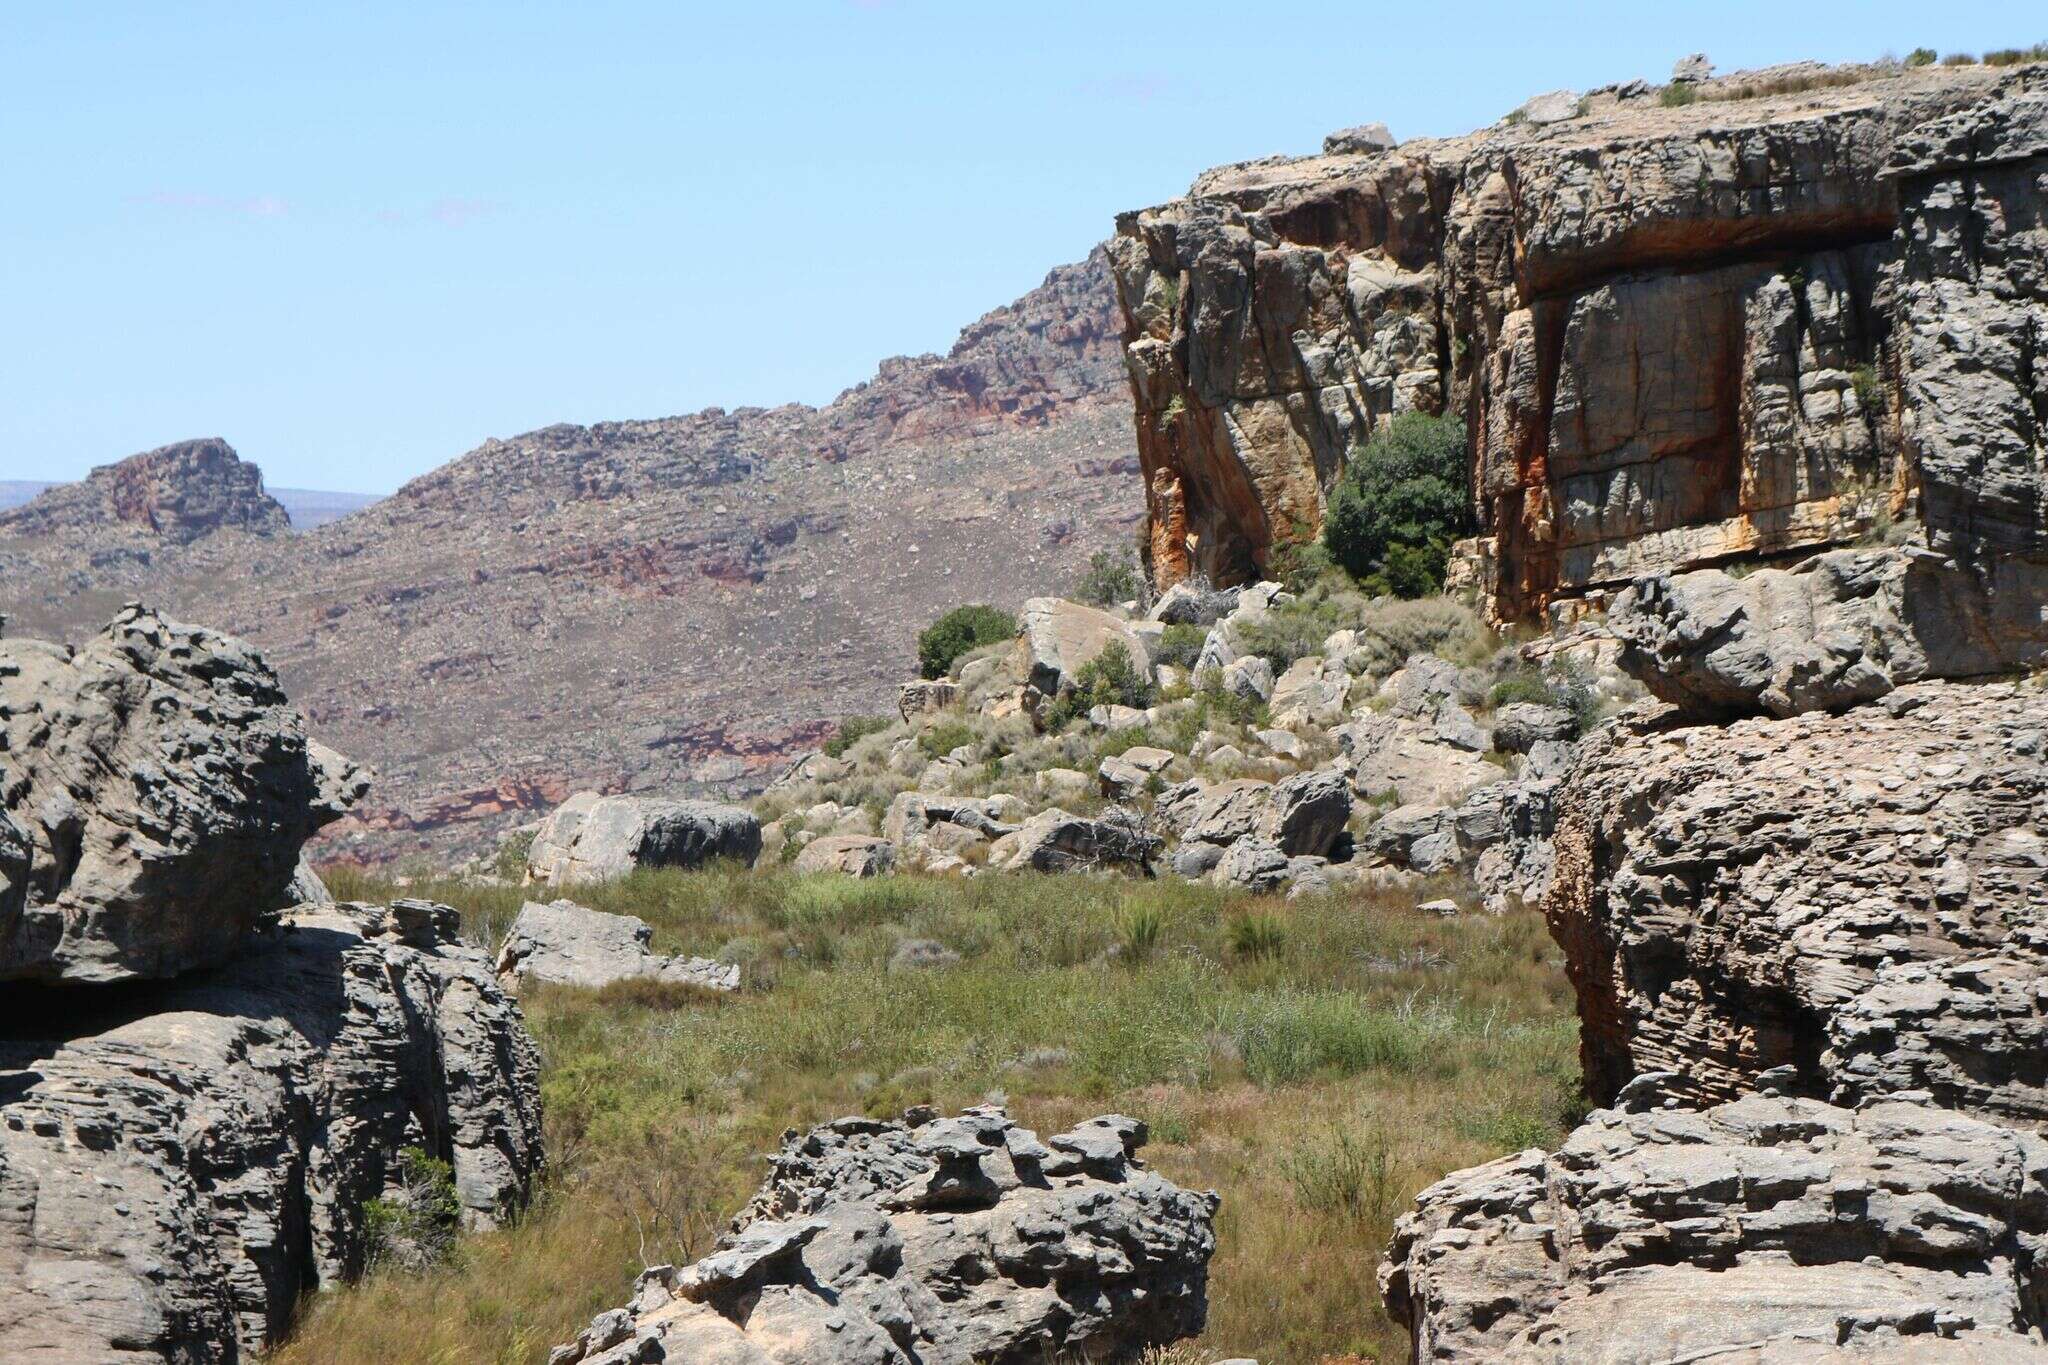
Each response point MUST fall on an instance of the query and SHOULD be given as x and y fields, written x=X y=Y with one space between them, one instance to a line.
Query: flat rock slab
x=564 y=943
x=184 y=1161
x=958 y=1241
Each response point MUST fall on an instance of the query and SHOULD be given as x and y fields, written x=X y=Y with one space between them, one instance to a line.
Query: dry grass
x=1316 y=1086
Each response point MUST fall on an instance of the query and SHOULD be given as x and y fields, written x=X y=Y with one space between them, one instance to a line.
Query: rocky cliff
x=1730 y=319
x=673 y=605
x=174 y=494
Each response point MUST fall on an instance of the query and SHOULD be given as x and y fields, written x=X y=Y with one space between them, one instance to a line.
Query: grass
x=1317 y=1071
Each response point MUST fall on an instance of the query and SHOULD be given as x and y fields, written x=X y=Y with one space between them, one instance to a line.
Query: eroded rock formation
x=175 y=493
x=1678 y=335
x=161 y=788
x=180 y=1162
x=939 y=1241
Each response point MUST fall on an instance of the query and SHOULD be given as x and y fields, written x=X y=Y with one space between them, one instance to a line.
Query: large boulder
x=1058 y=637
x=851 y=855
x=1832 y=631
x=1770 y=1229
x=1055 y=841
x=1858 y=897
x=180 y=1165
x=157 y=790
x=1305 y=813
x=964 y=1241
x=593 y=838
x=1404 y=757
x=563 y=943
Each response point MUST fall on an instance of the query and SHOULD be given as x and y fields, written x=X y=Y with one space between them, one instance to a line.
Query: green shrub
x=1181 y=645
x=1565 y=686
x=2014 y=56
x=851 y=731
x=417 y=1227
x=1139 y=928
x=1109 y=679
x=1677 y=95
x=1921 y=56
x=939 y=740
x=1344 y=1174
x=959 y=631
x=510 y=862
x=1112 y=577
x=1405 y=491
x=1959 y=59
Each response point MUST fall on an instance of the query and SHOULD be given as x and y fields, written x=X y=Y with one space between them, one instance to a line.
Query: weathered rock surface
x=1857 y=897
x=852 y=855
x=1055 y=841
x=1758 y=323
x=1059 y=637
x=1769 y=1229
x=175 y=493
x=161 y=789
x=183 y=1161
x=1837 y=629
x=564 y=943
x=963 y=1241
x=592 y=838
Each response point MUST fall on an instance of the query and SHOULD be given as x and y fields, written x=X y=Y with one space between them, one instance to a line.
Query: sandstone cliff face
x=1677 y=335
x=175 y=493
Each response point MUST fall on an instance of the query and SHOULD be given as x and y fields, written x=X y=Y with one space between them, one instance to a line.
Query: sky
x=358 y=239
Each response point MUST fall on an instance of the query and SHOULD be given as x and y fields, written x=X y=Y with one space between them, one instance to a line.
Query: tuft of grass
x=2016 y=56
x=851 y=731
x=1677 y=95
x=1316 y=1088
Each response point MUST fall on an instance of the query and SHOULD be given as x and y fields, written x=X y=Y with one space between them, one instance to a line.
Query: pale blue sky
x=357 y=239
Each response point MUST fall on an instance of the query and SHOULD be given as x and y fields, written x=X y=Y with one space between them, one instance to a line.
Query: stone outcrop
x=1753 y=324
x=1056 y=841
x=1769 y=1229
x=853 y=855
x=563 y=943
x=175 y=493
x=181 y=1162
x=1058 y=637
x=594 y=838
x=1857 y=897
x=963 y=1241
x=156 y=788
x=1834 y=630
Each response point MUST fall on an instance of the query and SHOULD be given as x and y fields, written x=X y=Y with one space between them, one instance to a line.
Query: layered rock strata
x=1744 y=326
x=180 y=1163
x=938 y=1241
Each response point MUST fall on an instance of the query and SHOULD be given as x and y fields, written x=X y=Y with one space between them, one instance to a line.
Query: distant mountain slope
x=676 y=604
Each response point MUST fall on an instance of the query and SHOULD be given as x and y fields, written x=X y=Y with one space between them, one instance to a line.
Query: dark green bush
x=1111 y=678
x=1565 y=685
x=959 y=631
x=1112 y=577
x=943 y=739
x=1181 y=645
x=2014 y=56
x=1400 y=503
x=1677 y=94
x=1921 y=56
x=851 y=731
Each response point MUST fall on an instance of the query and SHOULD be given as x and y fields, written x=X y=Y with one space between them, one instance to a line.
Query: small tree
x=959 y=631
x=1399 y=504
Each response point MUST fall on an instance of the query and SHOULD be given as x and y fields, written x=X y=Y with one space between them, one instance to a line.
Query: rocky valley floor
x=1315 y=1070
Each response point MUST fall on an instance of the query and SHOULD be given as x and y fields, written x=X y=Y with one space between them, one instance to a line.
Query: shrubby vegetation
x=1399 y=504
x=1111 y=678
x=1563 y=685
x=1181 y=645
x=1252 y=1037
x=1112 y=577
x=961 y=631
x=852 y=730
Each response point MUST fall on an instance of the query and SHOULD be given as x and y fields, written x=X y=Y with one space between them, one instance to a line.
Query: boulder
x=563 y=943
x=1692 y=68
x=1192 y=602
x=594 y=838
x=926 y=696
x=1305 y=813
x=1520 y=726
x=944 y=1241
x=1114 y=718
x=1834 y=630
x=1225 y=812
x=1281 y=743
x=1556 y=106
x=158 y=790
x=1054 y=841
x=1249 y=677
x=1421 y=838
x=1125 y=776
x=1399 y=756
x=1310 y=694
x=1196 y=860
x=184 y=1164
x=1768 y=1229
x=306 y=888
x=1857 y=897
x=1253 y=864
x=1421 y=685
x=1455 y=726
x=1058 y=637
x=912 y=815
x=852 y=855
x=1366 y=139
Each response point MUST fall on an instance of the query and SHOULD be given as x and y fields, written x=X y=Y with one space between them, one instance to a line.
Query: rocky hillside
x=174 y=495
x=1713 y=320
x=675 y=604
